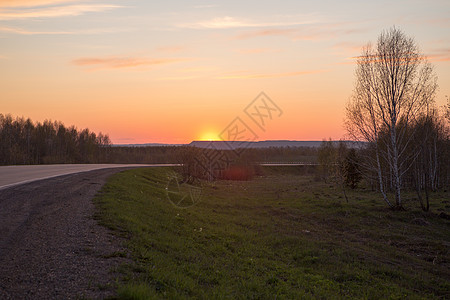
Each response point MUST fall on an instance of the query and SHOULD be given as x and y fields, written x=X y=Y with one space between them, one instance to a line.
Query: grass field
x=282 y=235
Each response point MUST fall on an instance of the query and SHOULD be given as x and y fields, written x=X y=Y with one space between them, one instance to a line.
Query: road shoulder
x=51 y=246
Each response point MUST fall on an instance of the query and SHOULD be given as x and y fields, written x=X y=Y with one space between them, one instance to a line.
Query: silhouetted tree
x=336 y=164
x=326 y=157
x=352 y=174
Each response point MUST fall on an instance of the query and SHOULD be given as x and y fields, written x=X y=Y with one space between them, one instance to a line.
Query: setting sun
x=209 y=136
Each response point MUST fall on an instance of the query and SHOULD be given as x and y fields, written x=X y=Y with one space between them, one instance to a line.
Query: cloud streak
x=270 y=75
x=30 y=3
x=122 y=62
x=18 y=30
x=301 y=32
x=440 y=56
x=27 y=32
x=53 y=12
x=267 y=32
x=228 y=22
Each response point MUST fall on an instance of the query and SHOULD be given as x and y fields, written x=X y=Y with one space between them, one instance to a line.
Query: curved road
x=14 y=175
x=51 y=246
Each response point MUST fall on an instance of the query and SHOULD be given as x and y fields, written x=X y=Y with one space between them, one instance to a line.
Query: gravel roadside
x=50 y=245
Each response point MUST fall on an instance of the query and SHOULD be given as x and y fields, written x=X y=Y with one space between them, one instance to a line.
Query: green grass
x=282 y=235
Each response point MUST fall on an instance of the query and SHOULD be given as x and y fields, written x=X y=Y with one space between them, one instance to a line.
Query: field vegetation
x=283 y=234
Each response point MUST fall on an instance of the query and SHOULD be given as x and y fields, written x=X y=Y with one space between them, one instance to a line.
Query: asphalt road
x=14 y=175
x=51 y=245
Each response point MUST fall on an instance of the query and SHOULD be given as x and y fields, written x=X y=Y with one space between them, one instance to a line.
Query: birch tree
x=395 y=84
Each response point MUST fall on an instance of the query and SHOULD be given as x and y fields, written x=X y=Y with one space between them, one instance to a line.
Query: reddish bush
x=238 y=173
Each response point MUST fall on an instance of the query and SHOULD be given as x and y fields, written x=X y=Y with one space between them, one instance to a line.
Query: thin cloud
x=26 y=32
x=52 y=12
x=17 y=30
x=301 y=32
x=228 y=22
x=267 y=32
x=348 y=61
x=30 y=3
x=122 y=62
x=442 y=55
x=437 y=57
x=440 y=58
x=270 y=75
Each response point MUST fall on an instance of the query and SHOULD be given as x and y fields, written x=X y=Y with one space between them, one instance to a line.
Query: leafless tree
x=395 y=84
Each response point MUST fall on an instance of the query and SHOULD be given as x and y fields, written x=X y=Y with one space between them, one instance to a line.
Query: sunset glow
x=209 y=136
x=177 y=71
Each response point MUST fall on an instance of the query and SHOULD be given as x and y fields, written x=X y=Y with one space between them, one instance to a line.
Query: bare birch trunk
x=394 y=86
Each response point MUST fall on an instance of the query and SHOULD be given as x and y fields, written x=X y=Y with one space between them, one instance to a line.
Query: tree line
x=23 y=141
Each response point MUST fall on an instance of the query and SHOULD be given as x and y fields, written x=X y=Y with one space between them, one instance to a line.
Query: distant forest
x=23 y=142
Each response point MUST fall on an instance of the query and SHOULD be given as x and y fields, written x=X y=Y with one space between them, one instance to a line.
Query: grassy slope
x=282 y=235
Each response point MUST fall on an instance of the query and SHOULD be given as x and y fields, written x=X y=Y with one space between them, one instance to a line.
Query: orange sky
x=173 y=72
